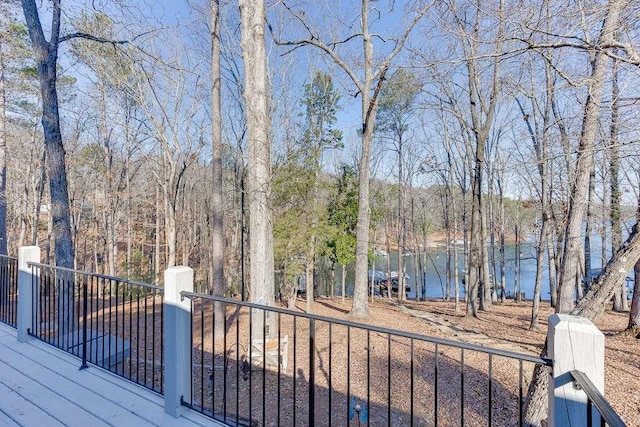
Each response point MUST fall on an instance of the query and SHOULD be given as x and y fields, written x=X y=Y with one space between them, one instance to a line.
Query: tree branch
x=86 y=36
x=382 y=69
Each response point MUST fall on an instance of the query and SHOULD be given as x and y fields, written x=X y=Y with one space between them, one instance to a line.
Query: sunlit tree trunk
x=256 y=97
x=46 y=53
x=217 y=214
x=3 y=159
x=620 y=298
x=570 y=267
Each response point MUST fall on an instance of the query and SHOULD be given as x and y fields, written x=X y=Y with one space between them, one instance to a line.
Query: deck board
x=42 y=386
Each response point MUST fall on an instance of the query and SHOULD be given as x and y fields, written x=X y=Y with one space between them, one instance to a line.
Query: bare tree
x=634 y=313
x=368 y=87
x=3 y=156
x=47 y=60
x=570 y=267
x=217 y=206
x=482 y=107
x=256 y=97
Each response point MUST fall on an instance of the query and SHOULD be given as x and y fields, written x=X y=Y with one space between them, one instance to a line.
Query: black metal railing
x=599 y=411
x=257 y=365
x=110 y=322
x=9 y=290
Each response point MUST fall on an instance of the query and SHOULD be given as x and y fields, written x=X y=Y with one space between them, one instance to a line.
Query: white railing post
x=177 y=339
x=26 y=254
x=574 y=343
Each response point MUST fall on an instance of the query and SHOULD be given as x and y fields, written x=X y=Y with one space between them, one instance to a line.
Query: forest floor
x=506 y=326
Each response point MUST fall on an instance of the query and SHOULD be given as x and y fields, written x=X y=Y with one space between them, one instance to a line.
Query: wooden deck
x=42 y=386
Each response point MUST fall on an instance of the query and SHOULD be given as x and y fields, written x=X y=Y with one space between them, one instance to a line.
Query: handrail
x=452 y=343
x=608 y=414
x=98 y=275
x=13 y=258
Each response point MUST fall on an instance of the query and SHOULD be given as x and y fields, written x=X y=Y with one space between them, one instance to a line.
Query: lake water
x=436 y=267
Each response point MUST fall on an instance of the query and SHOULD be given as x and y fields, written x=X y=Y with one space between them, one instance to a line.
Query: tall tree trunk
x=620 y=298
x=217 y=203
x=456 y=274
x=553 y=278
x=157 y=222
x=448 y=209
x=170 y=204
x=38 y=197
x=538 y=284
x=634 y=313
x=129 y=212
x=360 y=306
x=402 y=221
x=256 y=99
x=482 y=114
x=46 y=53
x=3 y=160
x=570 y=268
x=343 y=282
x=516 y=264
x=587 y=235
x=503 y=263
x=492 y=239
x=311 y=249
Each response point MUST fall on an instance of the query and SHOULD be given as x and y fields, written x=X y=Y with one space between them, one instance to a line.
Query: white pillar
x=574 y=343
x=26 y=307
x=177 y=339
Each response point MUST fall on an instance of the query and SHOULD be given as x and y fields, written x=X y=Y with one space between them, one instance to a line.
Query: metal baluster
x=93 y=316
x=146 y=338
x=330 y=382
x=116 y=333
x=102 y=283
x=412 y=385
x=84 y=324
x=153 y=339
x=279 y=364
x=190 y=359
x=462 y=387
x=250 y=365
x=161 y=346
x=130 y=292
x=138 y=336
x=213 y=358
x=110 y=322
x=348 y=369
x=312 y=377
x=264 y=366
x=295 y=357
x=225 y=361
x=238 y=364
x=368 y=370
x=5 y=307
x=520 y=395
x=490 y=389
x=389 y=379
x=59 y=304
x=202 y=357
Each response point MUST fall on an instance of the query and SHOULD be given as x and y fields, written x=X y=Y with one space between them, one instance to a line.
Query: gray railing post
x=574 y=343
x=177 y=339
x=26 y=254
